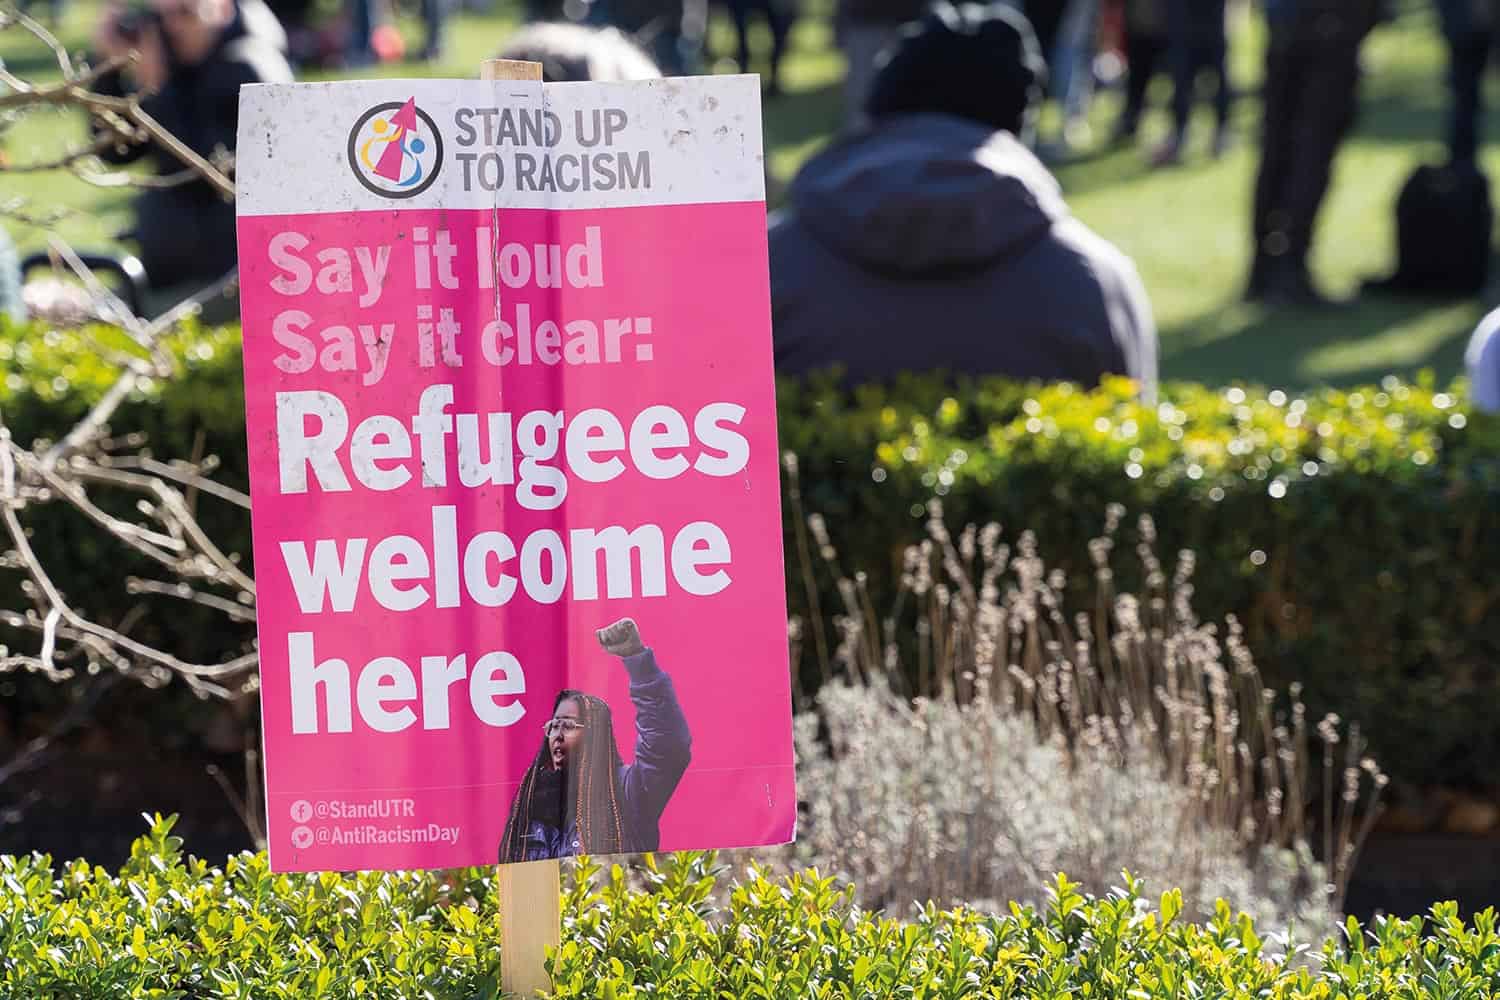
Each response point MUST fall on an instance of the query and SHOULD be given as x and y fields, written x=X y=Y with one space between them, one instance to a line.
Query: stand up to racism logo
x=395 y=149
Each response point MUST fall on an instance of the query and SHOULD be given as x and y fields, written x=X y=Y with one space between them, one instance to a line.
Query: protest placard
x=514 y=470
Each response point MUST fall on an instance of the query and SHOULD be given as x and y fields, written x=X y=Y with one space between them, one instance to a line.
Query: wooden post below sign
x=530 y=893
x=530 y=923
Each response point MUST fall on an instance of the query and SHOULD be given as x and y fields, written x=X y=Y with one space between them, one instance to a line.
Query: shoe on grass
x=1168 y=154
x=1297 y=291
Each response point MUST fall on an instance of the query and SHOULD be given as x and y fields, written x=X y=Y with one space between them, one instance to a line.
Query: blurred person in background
x=1146 y=45
x=1469 y=28
x=435 y=24
x=779 y=17
x=1482 y=359
x=672 y=31
x=10 y=281
x=371 y=35
x=571 y=53
x=10 y=263
x=1046 y=20
x=304 y=40
x=863 y=30
x=548 y=11
x=1199 y=46
x=194 y=56
x=359 y=42
x=1310 y=101
x=933 y=240
x=1070 y=69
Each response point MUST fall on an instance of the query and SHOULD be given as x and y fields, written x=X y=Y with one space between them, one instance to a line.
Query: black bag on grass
x=1444 y=219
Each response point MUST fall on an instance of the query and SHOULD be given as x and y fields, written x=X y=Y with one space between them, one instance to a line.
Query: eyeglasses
x=552 y=726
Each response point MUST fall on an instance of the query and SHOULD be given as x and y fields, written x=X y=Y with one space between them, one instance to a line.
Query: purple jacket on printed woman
x=663 y=748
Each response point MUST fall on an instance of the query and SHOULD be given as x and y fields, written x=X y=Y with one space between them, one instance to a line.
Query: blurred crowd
x=937 y=195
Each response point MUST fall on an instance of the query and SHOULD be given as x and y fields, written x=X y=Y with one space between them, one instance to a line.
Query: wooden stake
x=509 y=69
x=530 y=922
x=530 y=893
x=504 y=69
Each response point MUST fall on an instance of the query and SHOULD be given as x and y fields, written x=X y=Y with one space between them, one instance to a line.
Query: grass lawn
x=1186 y=227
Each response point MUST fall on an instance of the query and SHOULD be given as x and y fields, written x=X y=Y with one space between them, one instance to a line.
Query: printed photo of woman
x=578 y=796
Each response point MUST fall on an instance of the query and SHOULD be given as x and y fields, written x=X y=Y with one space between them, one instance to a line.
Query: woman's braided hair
x=592 y=796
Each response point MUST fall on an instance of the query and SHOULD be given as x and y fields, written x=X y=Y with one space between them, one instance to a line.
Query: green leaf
x=1171 y=906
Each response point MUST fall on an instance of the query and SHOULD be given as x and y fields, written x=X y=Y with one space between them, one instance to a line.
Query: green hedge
x=1356 y=534
x=173 y=927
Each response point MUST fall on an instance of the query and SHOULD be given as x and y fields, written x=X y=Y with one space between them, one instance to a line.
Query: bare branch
x=118 y=358
x=185 y=475
x=178 y=149
x=123 y=118
x=72 y=91
x=7 y=468
x=150 y=182
x=63 y=161
x=34 y=622
x=95 y=637
x=49 y=639
x=165 y=549
x=91 y=424
x=14 y=209
x=182 y=591
x=31 y=24
x=171 y=504
x=116 y=309
x=192 y=305
x=88 y=470
x=190 y=671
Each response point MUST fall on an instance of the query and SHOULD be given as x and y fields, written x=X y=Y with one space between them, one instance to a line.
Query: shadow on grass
x=1106 y=163
x=33 y=62
x=802 y=116
x=1298 y=348
x=1403 y=119
x=1100 y=167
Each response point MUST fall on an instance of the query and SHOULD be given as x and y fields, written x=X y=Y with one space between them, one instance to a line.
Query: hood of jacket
x=926 y=194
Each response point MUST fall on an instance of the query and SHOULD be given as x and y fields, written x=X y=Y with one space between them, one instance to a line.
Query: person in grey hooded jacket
x=932 y=238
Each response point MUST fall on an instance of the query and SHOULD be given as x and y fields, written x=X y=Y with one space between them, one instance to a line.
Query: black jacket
x=932 y=243
x=1324 y=22
x=186 y=232
x=199 y=104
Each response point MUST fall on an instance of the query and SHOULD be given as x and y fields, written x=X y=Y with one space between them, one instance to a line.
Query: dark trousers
x=434 y=18
x=1143 y=57
x=778 y=19
x=1310 y=100
x=185 y=235
x=1468 y=56
x=1046 y=21
x=1199 y=46
x=357 y=50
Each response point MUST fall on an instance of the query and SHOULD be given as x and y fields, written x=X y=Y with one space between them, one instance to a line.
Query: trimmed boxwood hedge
x=1355 y=533
x=172 y=927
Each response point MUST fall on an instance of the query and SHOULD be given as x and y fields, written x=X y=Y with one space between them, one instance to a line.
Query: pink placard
x=478 y=436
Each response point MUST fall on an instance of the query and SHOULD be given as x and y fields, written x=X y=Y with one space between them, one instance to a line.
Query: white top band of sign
x=471 y=144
